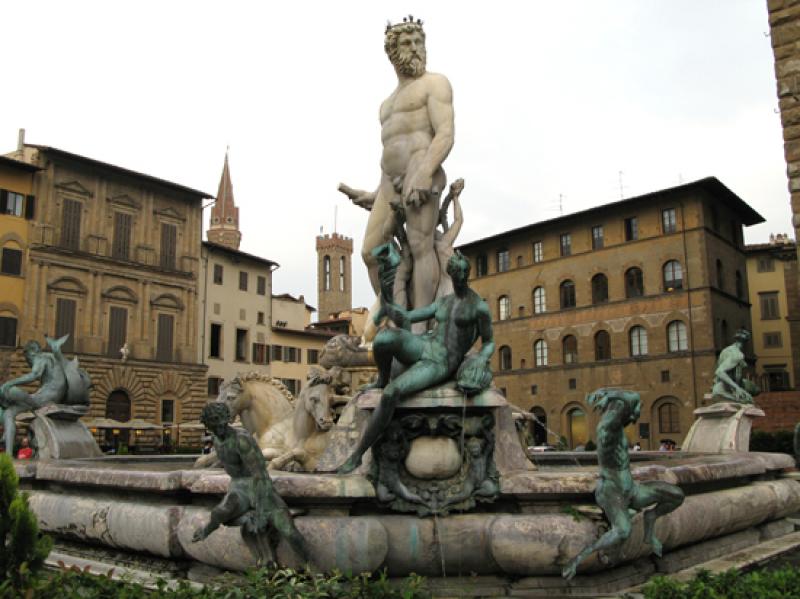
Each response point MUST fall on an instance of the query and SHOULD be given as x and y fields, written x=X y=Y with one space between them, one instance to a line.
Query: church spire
x=224 y=229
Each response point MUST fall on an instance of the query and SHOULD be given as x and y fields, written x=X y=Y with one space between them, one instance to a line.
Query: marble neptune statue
x=417 y=133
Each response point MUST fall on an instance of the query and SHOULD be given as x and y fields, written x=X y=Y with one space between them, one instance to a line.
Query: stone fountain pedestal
x=722 y=427
x=59 y=434
x=442 y=452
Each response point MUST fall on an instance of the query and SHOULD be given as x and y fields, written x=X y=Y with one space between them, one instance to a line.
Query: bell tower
x=224 y=227
x=334 y=270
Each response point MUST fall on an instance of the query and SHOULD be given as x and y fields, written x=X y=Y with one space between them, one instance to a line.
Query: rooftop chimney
x=21 y=140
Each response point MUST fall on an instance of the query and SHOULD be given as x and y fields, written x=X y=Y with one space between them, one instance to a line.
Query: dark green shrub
x=764 y=584
x=22 y=549
x=778 y=442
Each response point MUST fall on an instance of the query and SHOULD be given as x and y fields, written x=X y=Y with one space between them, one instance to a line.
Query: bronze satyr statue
x=729 y=381
x=63 y=384
x=616 y=492
x=251 y=501
x=433 y=357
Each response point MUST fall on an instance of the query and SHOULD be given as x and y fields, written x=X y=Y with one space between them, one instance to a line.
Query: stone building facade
x=334 y=268
x=236 y=308
x=113 y=261
x=295 y=346
x=17 y=208
x=641 y=294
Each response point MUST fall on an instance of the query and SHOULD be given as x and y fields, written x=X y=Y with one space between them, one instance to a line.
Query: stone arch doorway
x=118 y=407
x=577 y=427
x=539 y=426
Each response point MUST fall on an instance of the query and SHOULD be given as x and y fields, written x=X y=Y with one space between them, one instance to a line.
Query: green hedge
x=760 y=584
x=284 y=583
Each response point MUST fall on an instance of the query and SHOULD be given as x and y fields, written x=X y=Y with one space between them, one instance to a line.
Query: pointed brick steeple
x=224 y=229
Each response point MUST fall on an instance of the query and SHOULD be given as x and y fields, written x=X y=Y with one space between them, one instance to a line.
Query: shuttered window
x=71 y=225
x=117 y=330
x=169 y=236
x=122 y=236
x=166 y=325
x=65 y=322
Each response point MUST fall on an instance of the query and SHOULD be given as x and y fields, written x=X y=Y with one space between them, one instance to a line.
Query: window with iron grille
x=167 y=411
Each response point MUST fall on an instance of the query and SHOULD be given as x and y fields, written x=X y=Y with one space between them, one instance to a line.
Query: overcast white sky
x=550 y=97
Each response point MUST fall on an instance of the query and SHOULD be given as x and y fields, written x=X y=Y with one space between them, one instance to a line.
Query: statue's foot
x=656 y=545
x=376 y=385
x=350 y=465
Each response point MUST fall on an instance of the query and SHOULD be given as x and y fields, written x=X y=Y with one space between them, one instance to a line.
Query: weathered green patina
x=729 y=381
x=251 y=501
x=63 y=384
x=616 y=491
x=432 y=357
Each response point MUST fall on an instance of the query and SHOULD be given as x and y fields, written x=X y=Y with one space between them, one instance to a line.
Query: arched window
x=341 y=273
x=540 y=352
x=720 y=275
x=567 y=289
x=505 y=358
x=570 y=349
x=539 y=426
x=669 y=417
x=326 y=267
x=676 y=336
x=539 y=301
x=602 y=346
x=504 y=307
x=599 y=288
x=638 y=341
x=673 y=276
x=634 y=282
x=577 y=427
x=739 y=285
